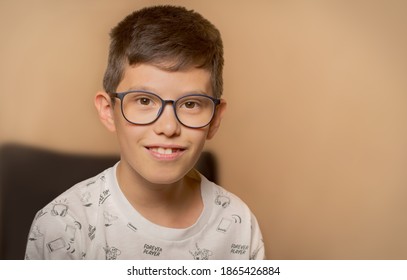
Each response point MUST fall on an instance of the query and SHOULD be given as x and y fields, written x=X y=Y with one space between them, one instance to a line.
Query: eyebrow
x=144 y=88
x=136 y=88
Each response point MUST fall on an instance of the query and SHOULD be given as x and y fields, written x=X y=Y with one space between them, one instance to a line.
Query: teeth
x=163 y=151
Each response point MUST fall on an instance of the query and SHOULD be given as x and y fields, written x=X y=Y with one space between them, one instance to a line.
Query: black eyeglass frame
x=121 y=95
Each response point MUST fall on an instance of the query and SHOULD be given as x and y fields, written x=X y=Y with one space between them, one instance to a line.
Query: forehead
x=165 y=82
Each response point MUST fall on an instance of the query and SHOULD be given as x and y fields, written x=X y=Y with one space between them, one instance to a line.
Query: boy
x=162 y=98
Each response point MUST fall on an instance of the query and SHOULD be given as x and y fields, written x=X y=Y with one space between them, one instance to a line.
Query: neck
x=142 y=192
x=178 y=204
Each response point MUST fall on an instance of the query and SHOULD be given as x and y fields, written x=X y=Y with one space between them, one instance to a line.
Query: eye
x=144 y=101
x=190 y=104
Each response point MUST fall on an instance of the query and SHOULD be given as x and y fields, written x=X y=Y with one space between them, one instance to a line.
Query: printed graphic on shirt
x=103 y=196
x=70 y=232
x=91 y=232
x=35 y=234
x=90 y=183
x=109 y=218
x=238 y=249
x=132 y=227
x=60 y=208
x=78 y=224
x=40 y=214
x=200 y=254
x=111 y=252
x=224 y=225
x=70 y=248
x=56 y=245
x=237 y=219
x=85 y=199
x=222 y=200
x=152 y=250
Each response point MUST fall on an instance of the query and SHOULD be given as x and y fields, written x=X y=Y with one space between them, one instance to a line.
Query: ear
x=105 y=110
x=214 y=125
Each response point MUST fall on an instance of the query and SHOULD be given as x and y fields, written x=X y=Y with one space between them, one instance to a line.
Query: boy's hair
x=171 y=38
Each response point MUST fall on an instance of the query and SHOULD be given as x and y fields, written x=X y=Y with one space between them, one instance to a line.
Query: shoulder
x=225 y=205
x=59 y=229
x=83 y=194
x=223 y=198
x=77 y=203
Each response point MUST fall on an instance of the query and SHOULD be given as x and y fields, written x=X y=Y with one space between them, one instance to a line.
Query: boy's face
x=164 y=151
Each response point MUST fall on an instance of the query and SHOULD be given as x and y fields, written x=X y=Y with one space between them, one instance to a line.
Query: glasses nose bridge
x=165 y=102
x=170 y=102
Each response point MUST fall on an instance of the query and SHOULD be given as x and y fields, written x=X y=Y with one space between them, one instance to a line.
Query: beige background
x=315 y=138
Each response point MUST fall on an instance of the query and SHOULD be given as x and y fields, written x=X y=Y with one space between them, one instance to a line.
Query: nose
x=167 y=124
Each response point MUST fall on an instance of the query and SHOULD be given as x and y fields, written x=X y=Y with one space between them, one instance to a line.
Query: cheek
x=198 y=132
x=121 y=124
x=198 y=137
x=127 y=133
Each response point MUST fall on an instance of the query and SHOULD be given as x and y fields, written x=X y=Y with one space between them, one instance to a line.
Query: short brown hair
x=172 y=38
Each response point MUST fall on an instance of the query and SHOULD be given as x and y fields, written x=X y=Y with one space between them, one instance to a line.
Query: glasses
x=143 y=107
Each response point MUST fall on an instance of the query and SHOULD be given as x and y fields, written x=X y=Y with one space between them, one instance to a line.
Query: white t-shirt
x=94 y=220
